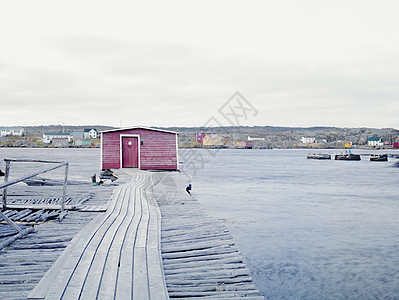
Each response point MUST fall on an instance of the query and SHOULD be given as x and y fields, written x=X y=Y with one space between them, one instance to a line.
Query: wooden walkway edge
x=117 y=256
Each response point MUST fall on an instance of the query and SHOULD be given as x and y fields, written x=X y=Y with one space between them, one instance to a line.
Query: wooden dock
x=26 y=260
x=116 y=256
x=125 y=253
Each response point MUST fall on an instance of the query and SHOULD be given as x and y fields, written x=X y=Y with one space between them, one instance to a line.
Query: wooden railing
x=8 y=183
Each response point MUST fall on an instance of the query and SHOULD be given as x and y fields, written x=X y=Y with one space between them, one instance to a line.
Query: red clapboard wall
x=145 y=148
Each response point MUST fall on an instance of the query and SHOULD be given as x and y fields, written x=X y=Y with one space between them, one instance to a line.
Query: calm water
x=83 y=163
x=308 y=229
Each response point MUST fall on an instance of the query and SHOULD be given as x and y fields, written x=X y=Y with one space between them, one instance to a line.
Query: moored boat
x=347 y=156
x=318 y=156
x=379 y=157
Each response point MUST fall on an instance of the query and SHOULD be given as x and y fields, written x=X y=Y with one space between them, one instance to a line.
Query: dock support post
x=4 y=207
x=64 y=187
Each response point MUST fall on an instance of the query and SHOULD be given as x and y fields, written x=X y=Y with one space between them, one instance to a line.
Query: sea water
x=307 y=229
x=83 y=162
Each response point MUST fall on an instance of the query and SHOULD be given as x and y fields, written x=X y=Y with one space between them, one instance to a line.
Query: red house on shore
x=139 y=147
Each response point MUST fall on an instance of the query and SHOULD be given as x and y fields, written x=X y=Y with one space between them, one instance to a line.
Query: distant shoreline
x=232 y=137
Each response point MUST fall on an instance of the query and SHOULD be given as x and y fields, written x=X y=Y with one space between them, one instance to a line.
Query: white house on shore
x=48 y=137
x=308 y=140
x=374 y=141
x=90 y=133
x=256 y=138
x=4 y=131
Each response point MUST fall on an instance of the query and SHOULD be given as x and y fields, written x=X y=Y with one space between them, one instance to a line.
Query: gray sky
x=176 y=62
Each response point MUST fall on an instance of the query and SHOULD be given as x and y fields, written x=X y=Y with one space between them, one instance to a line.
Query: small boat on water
x=347 y=156
x=318 y=156
x=379 y=157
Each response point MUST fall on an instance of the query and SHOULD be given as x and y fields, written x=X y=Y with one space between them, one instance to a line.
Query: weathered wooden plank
x=156 y=279
x=221 y=273
x=142 y=231
x=205 y=268
x=23 y=269
x=195 y=222
x=182 y=281
x=140 y=266
x=30 y=255
x=154 y=224
x=13 y=287
x=219 y=294
x=39 y=206
x=188 y=238
x=33 y=215
x=20 y=278
x=231 y=296
x=37 y=239
x=202 y=231
x=191 y=246
x=204 y=252
x=93 y=208
x=21 y=214
x=198 y=263
x=41 y=246
x=49 y=215
x=140 y=279
x=9 y=213
x=124 y=283
x=194 y=226
x=211 y=257
x=212 y=287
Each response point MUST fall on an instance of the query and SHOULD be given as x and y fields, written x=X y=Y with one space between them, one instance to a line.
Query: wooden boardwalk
x=117 y=256
x=24 y=262
x=120 y=254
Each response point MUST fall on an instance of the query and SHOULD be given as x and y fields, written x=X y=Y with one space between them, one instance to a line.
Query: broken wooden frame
x=8 y=183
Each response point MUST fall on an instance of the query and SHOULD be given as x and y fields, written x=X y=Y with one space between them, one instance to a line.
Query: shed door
x=130 y=152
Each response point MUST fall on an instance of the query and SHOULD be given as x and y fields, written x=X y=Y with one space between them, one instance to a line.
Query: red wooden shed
x=139 y=147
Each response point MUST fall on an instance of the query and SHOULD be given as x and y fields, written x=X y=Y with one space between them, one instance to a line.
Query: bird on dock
x=188 y=189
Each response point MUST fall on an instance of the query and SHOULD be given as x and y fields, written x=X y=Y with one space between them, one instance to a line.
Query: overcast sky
x=176 y=62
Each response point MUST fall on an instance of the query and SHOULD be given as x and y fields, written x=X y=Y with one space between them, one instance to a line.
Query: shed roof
x=374 y=139
x=139 y=127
